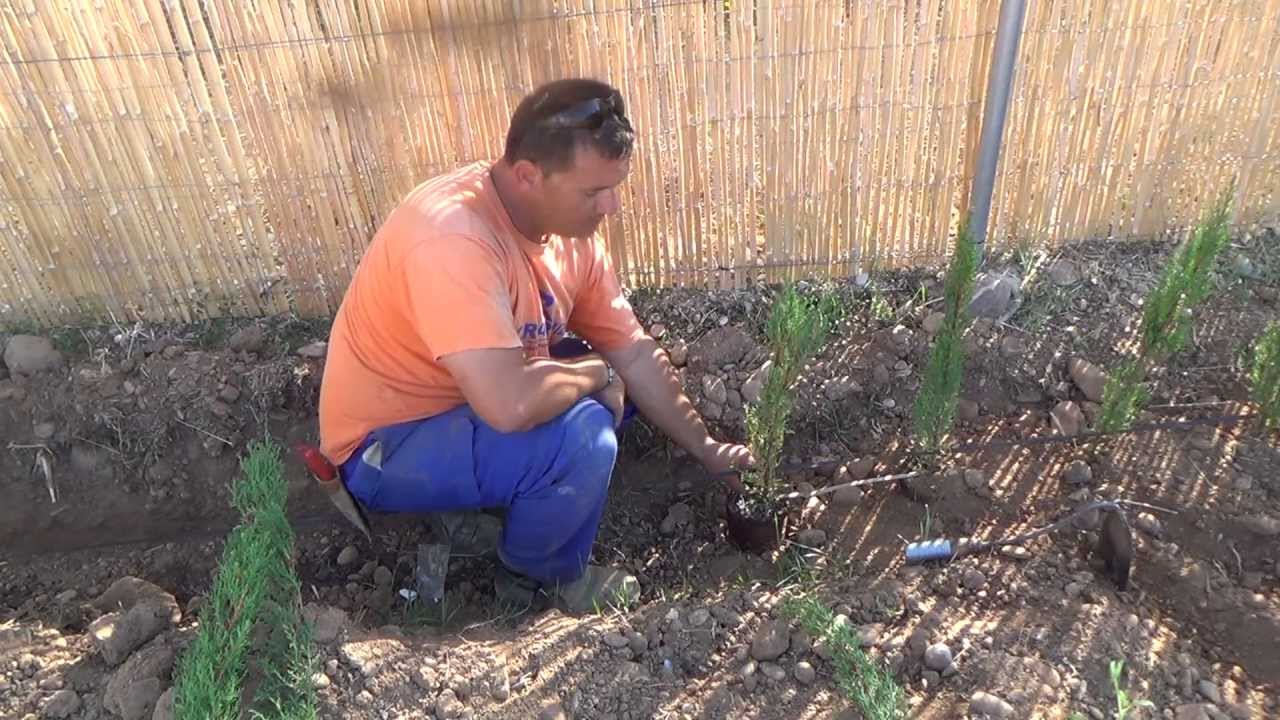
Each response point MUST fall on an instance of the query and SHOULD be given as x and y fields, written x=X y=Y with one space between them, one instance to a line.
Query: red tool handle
x=317 y=463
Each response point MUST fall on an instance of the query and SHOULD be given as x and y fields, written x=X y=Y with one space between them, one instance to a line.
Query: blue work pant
x=552 y=480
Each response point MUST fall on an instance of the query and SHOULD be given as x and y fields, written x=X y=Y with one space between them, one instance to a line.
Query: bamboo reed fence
x=180 y=159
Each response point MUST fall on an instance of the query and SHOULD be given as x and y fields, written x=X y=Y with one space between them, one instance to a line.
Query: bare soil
x=146 y=425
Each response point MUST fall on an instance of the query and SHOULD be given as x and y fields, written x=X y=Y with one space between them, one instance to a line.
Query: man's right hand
x=613 y=396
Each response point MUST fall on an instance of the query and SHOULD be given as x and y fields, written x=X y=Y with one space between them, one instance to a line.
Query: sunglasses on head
x=588 y=115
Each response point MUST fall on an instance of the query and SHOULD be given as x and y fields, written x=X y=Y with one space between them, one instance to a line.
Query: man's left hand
x=725 y=461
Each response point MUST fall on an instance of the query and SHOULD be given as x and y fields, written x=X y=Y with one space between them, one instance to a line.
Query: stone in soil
x=812 y=537
x=1067 y=418
x=250 y=339
x=1149 y=524
x=615 y=640
x=1078 y=472
x=713 y=389
x=348 y=556
x=982 y=703
x=974 y=579
x=164 y=706
x=678 y=516
x=1192 y=711
x=773 y=671
x=1264 y=525
x=771 y=641
x=933 y=322
x=29 y=354
x=327 y=623
x=967 y=410
x=847 y=496
x=553 y=712
x=1088 y=377
x=1063 y=273
x=1209 y=692
x=62 y=704
x=722 y=346
x=143 y=612
x=995 y=296
x=382 y=576
x=314 y=351
x=1013 y=345
x=368 y=657
x=679 y=353
x=805 y=674
x=937 y=657
x=500 y=684
x=839 y=388
x=880 y=375
x=447 y=706
x=135 y=688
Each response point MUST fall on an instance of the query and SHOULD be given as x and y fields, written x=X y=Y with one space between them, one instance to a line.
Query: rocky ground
x=123 y=441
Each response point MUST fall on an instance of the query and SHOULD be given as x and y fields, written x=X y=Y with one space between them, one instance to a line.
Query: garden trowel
x=326 y=476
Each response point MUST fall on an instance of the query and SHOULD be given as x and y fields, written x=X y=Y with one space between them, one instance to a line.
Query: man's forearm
x=550 y=387
x=653 y=385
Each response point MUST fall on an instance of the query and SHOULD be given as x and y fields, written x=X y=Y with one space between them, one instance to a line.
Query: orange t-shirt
x=446 y=272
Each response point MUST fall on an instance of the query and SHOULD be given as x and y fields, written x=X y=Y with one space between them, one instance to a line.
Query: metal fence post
x=994 y=111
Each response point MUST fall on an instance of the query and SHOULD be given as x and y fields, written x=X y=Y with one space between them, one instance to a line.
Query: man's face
x=575 y=201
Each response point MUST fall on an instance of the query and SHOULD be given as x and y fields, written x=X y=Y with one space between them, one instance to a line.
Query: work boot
x=469 y=533
x=599 y=588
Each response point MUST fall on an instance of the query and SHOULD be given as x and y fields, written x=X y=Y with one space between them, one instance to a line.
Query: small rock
x=134 y=689
x=1088 y=377
x=773 y=671
x=637 y=643
x=699 y=617
x=1013 y=345
x=967 y=410
x=500 y=684
x=880 y=375
x=725 y=616
x=937 y=657
x=553 y=712
x=678 y=516
x=382 y=577
x=1261 y=524
x=315 y=351
x=847 y=496
x=327 y=623
x=1210 y=692
x=981 y=703
x=44 y=431
x=142 y=611
x=974 y=579
x=348 y=556
x=770 y=641
x=805 y=674
x=658 y=331
x=229 y=393
x=320 y=681
x=250 y=339
x=164 y=706
x=1067 y=418
x=713 y=389
x=839 y=388
x=995 y=296
x=812 y=537
x=368 y=657
x=975 y=479
x=1149 y=524
x=426 y=678
x=1063 y=273
x=933 y=322
x=62 y=704
x=1078 y=472
x=447 y=706
x=615 y=640
x=679 y=353
x=28 y=355
x=1192 y=711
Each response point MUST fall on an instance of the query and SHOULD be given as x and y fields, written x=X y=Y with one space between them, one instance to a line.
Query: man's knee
x=589 y=437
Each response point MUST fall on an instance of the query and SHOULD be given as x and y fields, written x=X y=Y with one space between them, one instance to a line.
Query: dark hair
x=550 y=145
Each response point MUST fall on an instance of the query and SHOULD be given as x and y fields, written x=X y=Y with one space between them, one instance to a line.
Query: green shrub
x=255 y=584
x=935 y=406
x=1265 y=376
x=795 y=331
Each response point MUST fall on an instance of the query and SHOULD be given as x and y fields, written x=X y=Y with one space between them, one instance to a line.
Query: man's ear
x=528 y=175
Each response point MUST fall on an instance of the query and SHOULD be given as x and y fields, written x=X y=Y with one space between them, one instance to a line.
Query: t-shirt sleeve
x=601 y=313
x=458 y=296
